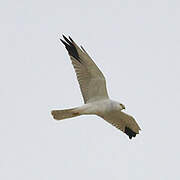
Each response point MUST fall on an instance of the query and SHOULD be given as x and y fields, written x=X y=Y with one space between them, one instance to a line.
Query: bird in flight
x=93 y=88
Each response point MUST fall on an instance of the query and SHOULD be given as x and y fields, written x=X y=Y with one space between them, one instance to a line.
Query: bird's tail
x=64 y=114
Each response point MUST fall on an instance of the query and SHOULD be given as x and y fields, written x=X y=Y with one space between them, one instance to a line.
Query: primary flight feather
x=93 y=88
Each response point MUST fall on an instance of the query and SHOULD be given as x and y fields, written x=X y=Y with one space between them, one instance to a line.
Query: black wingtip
x=130 y=133
x=64 y=36
x=70 y=47
x=63 y=42
x=67 y=40
x=71 y=39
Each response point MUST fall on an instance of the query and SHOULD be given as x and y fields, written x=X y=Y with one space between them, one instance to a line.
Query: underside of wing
x=124 y=122
x=91 y=80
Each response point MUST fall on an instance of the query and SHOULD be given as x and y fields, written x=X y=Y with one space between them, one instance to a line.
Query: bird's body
x=93 y=87
x=100 y=108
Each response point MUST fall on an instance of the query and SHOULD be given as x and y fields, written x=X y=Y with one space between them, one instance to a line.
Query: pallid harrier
x=93 y=88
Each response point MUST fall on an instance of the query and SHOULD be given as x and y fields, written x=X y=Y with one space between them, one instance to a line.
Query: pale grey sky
x=135 y=43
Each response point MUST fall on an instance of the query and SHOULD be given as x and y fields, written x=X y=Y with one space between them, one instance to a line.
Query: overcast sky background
x=135 y=43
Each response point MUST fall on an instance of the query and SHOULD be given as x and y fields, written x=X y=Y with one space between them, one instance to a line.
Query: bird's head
x=122 y=106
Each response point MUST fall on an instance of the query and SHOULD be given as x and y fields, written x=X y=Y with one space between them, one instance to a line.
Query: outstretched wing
x=91 y=80
x=124 y=122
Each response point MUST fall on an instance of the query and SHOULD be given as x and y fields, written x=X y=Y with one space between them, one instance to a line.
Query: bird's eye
x=123 y=107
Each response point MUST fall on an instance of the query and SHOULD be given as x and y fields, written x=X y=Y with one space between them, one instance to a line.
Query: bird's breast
x=100 y=108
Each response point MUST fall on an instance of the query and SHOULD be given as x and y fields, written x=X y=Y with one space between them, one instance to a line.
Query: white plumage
x=93 y=88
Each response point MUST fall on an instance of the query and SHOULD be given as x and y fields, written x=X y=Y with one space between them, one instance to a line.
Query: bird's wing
x=91 y=80
x=124 y=122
